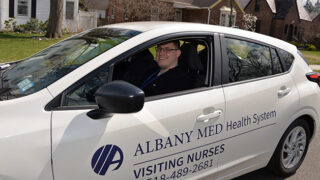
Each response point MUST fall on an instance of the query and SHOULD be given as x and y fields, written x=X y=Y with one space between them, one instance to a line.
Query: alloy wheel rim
x=293 y=147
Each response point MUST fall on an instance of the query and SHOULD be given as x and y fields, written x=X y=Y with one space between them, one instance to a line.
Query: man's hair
x=176 y=43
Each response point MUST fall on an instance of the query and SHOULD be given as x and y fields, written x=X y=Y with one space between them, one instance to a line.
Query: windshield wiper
x=4 y=66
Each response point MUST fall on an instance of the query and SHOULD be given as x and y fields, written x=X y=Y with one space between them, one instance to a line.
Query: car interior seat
x=190 y=61
x=139 y=64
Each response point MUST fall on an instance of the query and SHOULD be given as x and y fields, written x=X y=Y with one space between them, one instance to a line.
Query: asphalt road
x=309 y=170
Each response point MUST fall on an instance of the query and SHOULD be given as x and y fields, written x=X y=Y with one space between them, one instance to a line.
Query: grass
x=18 y=46
x=313 y=57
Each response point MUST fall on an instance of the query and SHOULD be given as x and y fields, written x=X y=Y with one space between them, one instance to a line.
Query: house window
x=295 y=30
x=69 y=9
x=154 y=13
x=257 y=6
x=113 y=16
x=126 y=12
x=222 y=19
x=258 y=24
x=285 y=29
x=178 y=15
x=225 y=16
x=233 y=17
x=22 y=7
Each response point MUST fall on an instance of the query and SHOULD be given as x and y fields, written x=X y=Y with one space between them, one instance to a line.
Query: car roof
x=167 y=26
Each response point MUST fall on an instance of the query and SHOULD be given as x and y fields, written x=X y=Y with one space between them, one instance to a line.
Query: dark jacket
x=175 y=79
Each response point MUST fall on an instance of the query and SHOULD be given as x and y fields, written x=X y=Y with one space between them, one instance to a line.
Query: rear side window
x=287 y=58
x=249 y=60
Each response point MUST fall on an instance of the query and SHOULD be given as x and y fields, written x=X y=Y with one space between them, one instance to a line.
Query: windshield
x=42 y=69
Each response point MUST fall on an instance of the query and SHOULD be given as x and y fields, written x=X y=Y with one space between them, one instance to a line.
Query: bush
x=32 y=26
x=44 y=26
x=297 y=44
x=10 y=24
x=316 y=42
x=310 y=47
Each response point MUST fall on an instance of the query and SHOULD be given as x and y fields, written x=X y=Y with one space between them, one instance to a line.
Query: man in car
x=168 y=77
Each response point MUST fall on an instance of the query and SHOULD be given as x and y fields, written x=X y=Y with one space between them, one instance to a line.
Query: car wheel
x=291 y=149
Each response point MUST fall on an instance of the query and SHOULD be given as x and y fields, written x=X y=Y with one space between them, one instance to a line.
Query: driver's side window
x=83 y=94
x=143 y=70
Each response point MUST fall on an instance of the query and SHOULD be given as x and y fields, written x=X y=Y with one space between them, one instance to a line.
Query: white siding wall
x=42 y=13
x=4 y=12
x=87 y=20
x=43 y=9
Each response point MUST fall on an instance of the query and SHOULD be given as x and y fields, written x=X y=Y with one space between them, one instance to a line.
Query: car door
x=260 y=97
x=175 y=135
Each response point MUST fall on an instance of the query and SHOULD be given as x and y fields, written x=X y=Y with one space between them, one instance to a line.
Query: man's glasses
x=165 y=50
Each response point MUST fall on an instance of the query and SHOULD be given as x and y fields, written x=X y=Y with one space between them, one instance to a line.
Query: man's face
x=167 y=56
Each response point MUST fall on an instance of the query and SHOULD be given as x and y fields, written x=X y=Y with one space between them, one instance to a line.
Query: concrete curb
x=315 y=67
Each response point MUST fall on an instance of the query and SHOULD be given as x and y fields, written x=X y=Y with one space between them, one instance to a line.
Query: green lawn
x=18 y=46
x=313 y=57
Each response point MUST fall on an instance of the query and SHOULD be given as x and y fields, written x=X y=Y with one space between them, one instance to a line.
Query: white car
x=76 y=111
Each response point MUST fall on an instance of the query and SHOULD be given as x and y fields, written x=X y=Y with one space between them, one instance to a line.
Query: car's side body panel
x=25 y=134
x=149 y=140
x=36 y=143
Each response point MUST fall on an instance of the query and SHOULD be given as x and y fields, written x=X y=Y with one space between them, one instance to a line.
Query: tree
x=249 y=22
x=309 y=6
x=317 y=7
x=142 y=10
x=82 y=5
x=55 y=19
x=231 y=9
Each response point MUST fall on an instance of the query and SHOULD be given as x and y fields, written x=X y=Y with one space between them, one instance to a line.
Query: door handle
x=283 y=92
x=207 y=117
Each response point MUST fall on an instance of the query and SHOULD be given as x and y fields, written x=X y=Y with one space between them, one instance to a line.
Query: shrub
x=316 y=42
x=297 y=44
x=310 y=47
x=44 y=26
x=65 y=31
x=249 y=22
x=19 y=28
x=10 y=24
x=32 y=26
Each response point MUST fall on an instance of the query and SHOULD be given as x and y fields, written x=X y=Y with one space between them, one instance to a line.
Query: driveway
x=310 y=169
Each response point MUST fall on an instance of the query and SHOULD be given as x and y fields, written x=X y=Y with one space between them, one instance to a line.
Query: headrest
x=189 y=59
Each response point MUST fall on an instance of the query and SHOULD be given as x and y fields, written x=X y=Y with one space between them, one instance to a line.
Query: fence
x=87 y=20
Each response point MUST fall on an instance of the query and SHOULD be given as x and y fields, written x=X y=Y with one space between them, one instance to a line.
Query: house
x=201 y=11
x=215 y=12
x=264 y=10
x=284 y=19
x=24 y=10
x=99 y=7
x=139 y=10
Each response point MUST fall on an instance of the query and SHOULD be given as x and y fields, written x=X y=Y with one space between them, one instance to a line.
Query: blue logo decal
x=106 y=156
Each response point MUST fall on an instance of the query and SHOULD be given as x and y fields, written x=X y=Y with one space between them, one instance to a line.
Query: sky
x=304 y=1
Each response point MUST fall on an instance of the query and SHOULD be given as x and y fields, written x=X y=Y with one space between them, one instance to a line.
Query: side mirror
x=117 y=97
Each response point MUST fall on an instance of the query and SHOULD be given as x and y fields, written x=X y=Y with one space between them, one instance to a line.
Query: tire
x=291 y=151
